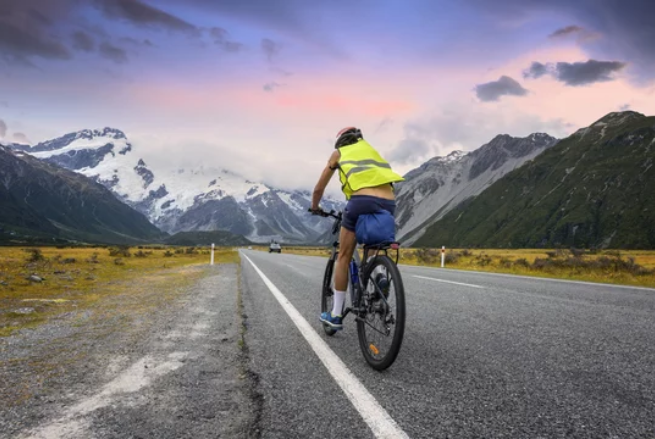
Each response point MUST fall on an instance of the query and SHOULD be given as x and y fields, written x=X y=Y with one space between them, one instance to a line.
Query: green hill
x=595 y=188
x=44 y=201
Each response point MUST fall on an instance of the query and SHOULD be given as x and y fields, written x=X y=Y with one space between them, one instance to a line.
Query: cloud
x=270 y=48
x=19 y=44
x=219 y=35
x=280 y=71
x=3 y=128
x=21 y=138
x=139 y=43
x=116 y=54
x=565 y=31
x=583 y=73
x=626 y=25
x=271 y=86
x=466 y=126
x=583 y=35
x=505 y=86
x=419 y=143
x=383 y=125
x=576 y=73
x=536 y=70
x=83 y=41
x=410 y=150
x=232 y=46
x=141 y=14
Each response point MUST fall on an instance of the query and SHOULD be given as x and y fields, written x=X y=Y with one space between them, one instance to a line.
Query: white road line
x=449 y=282
x=534 y=278
x=379 y=421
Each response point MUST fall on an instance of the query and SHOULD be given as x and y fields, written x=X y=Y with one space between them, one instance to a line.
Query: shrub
x=426 y=255
x=34 y=255
x=140 y=254
x=576 y=252
x=93 y=259
x=119 y=261
x=168 y=253
x=451 y=257
x=121 y=250
x=522 y=262
x=483 y=260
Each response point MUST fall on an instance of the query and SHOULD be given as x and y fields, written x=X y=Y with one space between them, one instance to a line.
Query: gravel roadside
x=163 y=360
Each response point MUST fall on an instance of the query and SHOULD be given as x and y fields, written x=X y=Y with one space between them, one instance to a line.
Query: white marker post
x=212 y=260
x=443 y=255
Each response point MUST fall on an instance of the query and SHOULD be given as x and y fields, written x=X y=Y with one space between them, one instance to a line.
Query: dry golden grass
x=624 y=267
x=75 y=278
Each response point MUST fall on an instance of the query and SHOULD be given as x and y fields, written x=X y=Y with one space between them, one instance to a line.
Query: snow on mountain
x=437 y=186
x=178 y=199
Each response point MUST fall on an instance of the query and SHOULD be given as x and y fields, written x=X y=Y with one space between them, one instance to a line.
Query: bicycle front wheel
x=381 y=325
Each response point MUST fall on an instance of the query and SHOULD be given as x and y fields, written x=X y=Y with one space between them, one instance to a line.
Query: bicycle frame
x=356 y=268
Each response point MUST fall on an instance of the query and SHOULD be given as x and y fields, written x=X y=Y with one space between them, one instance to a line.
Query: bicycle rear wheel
x=327 y=295
x=381 y=325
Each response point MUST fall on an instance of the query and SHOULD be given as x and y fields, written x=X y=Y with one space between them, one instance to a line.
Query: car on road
x=274 y=247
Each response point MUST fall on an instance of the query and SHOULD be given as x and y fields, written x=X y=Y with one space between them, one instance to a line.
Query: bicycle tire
x=396 y=279
x=327 y=293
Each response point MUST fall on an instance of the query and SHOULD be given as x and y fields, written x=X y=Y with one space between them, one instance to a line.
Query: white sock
x=337 y=306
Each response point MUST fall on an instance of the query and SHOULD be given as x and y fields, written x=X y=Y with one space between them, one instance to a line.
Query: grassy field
x=633 y=267
x=38 y=283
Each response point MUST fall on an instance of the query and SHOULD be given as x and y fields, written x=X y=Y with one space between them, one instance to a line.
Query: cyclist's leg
x=346 y=249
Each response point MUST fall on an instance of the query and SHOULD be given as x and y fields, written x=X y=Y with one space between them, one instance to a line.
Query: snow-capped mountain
x=176 y=200
x=437 y=186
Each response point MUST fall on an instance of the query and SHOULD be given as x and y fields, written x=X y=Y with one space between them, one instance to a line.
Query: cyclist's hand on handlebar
x=318 y=211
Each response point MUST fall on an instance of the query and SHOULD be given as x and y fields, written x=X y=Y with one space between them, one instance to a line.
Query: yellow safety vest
x=361 y=166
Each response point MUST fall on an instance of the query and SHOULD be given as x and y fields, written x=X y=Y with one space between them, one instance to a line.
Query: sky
x=261 y=87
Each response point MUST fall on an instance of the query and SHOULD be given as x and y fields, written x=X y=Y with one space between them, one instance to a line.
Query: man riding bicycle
x=367 y=182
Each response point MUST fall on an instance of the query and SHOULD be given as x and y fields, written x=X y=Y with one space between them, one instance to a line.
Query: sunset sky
x=261 y=87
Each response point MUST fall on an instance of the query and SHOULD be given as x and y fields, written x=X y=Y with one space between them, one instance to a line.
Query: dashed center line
x=448 y=281
x=378 y=420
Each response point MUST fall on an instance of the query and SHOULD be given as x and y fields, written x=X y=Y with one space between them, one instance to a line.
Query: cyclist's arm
x=323 y=181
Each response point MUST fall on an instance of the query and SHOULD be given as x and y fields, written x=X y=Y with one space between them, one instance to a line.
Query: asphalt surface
x=484 y=356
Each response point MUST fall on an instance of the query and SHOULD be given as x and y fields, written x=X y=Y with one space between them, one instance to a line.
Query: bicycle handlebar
x=324 y=214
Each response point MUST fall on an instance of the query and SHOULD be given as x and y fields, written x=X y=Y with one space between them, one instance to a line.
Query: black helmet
x=348 y=136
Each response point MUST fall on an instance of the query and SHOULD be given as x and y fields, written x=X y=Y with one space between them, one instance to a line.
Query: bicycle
x=369 y=299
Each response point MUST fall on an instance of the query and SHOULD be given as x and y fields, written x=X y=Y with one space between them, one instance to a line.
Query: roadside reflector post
x=443 y=255
x=212 y=258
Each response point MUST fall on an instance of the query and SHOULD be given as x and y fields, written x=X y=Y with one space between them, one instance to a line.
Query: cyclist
x=367 y=182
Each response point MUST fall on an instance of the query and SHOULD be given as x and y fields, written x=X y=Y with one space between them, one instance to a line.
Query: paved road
x=484 y=355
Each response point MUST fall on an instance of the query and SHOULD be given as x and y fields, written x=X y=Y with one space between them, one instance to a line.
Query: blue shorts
x=362 y=204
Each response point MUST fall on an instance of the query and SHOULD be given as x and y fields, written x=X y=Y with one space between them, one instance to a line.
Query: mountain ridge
x=183 y=200
x=47 y=200
x=434 y=188
x=595 y=188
